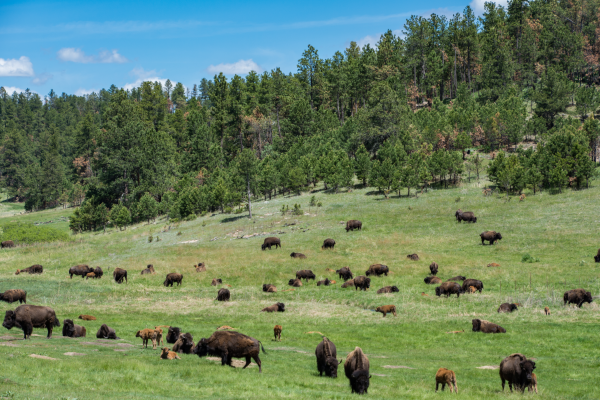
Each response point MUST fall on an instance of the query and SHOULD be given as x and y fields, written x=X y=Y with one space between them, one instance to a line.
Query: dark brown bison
x=467 y=216
x=477 y=284
x=106 y=332
x=356 y=368
x=362 y=282
x=271 y=241
x=27 y=317
x=149 y=270
x=389 y=309
x=226 y=345
x=490 y=236
x=8 y=244
x=223 y=294
x=388 y=289
x=377 y=269
x=72 y=330
x=173 y=334
x=295 y=282
x=433 y=268
x=445 y=377
x=414 y=257
x=278 y=307
x=348 y=283
x=577 y=296
x=267 y=287
x=325 y=282
x=185 y=344
x=297 y=255
x=216 y=282
x=305 y=274
x=353 y=224
x=448 y=288
x=457 y=278
x=432 y=280
x=480 y=325
x=12 y=295
x=98 y=272
x=172 y=278
x=119 y=274
x=597 y=256
x=344 y=273
x=81 y=269
x=518 y=371
x=34 y=269
x=328 y=244
x=326 y=358
x=507 y=307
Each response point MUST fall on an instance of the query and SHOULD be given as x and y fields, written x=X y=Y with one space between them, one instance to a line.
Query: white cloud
x=239 y=68
x=41 y=78
x=11 y=89
x=370 y=40
x=82 y=92
x=72 y=54
x=14 y=67
x=477 y=5
x=143 y=76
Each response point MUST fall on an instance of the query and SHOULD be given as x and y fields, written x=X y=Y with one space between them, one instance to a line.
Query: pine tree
x=147 y=208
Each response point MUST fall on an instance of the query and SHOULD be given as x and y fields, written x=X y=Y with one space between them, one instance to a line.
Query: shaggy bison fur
x=518 y=371
x=295 y=282
x=147 y=334
x=445 y=377
x=81 y=269
x=388 y=289
x=12 y=295
x=597 y=256
x=353 y=224
x=389 y=309
x=90 y=275
x=356 y=368
x=432 y=280
x=457 y=278
x=325 y=282
x=507 y=307
x=8 y=244
x=106 y=332
x=185 y=344
x=173 y=334
x=87 y=317
x=271 y=241
x=227 y=345
x=305 y=274
x=433 y=268
x=267 y=287
x=119 y=274
x=466 y=216
x=533 y=385
x=297 y=255
x=328 y=244
x=344 y=273
x=27 y=317
x=34 y=269
x=546 y=310
x=72 y=330
x=223 y=294
x=480 y=325
x=577 y=296
x=414 y=257
x=201 y=267
x=490 y=236
x=377 y=269
x=448 y=288
x=277 y=332
x=149 y=270
x=348 y=283
x=172 y=278
x=326 y=358
x=362 y=283
x=216 y=281
x=168 y=355
x=98 y=272
x=477 y=284
x=278 y=307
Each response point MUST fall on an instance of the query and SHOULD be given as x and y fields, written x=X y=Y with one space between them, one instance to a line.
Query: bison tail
x=56 y=322
x=261 y=346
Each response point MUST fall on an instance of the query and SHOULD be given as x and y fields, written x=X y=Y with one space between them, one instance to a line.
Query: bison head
x=368 y=272
x=476 y=325
x=9 y=319
x=438 y=291
x=427 y=280
x=18 y=272
x=331 y=363
x=394 y=289
x=587 y=298
x=513 y=307
x=201 y=348
x=263 y=246
x=291 y=282
x=69 y=328
x=527 y=367
x=474 y=219
x=280 y=307
x=360 y=381
x=498 y=236
x=457 y=213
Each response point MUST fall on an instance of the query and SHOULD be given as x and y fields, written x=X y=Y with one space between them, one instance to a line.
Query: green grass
x=559 y=230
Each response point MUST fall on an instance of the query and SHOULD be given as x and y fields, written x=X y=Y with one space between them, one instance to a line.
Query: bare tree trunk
x=249 y=203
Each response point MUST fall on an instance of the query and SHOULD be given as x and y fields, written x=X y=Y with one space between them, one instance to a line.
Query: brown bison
x=295 y=282
x=90 y=275
x=353 y=224
x=271 y=241
x=98 y=272
x=477 y=284
x=168 y=355
x=432 y=280
x=172 y=278
x=72 y=330
x=493 y=265
x=467 y=216
x=325 y=282
x=81 y=269
x=445 y=377
x=119 y=274
x=267 y=287
x=185 y=344
x=8 y=244
x=297 y=255
x=147 y=334
x=328 y=244
x=106 y=332
x=149 y=270
x=388 y=289
x=348 y=283
x=389 y=309
x=87 y=317
x=34 y=269
x=344 y=273
x=577 y=296
x=471 y=289
x=278 y=307
x=490 y=236
x=507 y=308
x=362 y=283
x=216 y=281
x=356 y=368
x=377 y=269
x=414 y=257
x=326 y=358
x=480 y=325
x=27 y=317
x=533 y=385
x=201 y=267
x=277 y=332
x=546 y=311
x=226 y=345
x=12 y=295
x=518 y=371
x=448 y=288
x=433 y=268
x=173 y=334
x=597 y=256
x=223 y=295
x=305 y=274
x=457 y=278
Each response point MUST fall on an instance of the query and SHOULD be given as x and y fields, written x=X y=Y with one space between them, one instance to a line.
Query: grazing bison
x=185 y=344
x=432 y=280
x=433 y=268
x=87 y=317
x=348 y=283
x=546 y=311
x=328 y=244
x=414 y=257
x=597 y=256
x=477 y=284
x=147 y=334
x=98 y=272
x=106 y=332
x=467 y=216
x=81 y=269
x=223 y=294
x=149 y=270
x=216 y=281
x=388 y=289
x=12 y=295
x=518 y=371
x=445 y=377
x=72 y=330
x=577 y=296
x=389 y=309
x=344 y=273
x=119 y=274
x=267 y=287
x=297 y=255
x=490 y=236
x=377 y=269
x=8 y=244
x=295 y=282
x=471 y=289
x=201 y=267
x=325 y=282
x=507 y=307
x=278 y=307
x=168 y=355
x=457 y=278
x=305 y=274
x=356 y=368
x=226 y=345
x=34 y=269
x=173 y=334
x=353 y=224
x=271 y=241
x=277 y=332
x=362 y=282
x=448 y=288
x=326 y=358
x=90 y=275
x=172 y=278
x=480 y=325
x=28 y=317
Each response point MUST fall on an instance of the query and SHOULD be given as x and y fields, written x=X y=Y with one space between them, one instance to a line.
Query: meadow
x=558 y=231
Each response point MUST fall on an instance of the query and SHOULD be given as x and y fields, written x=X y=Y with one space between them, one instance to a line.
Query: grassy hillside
x=404 y=351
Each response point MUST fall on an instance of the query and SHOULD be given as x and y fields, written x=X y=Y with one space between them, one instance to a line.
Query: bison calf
x=480 y=325
x=168 y=355
x=445 y=377
x=87 y=317
x=391 y=309
x=12 y=295
x=277 y=332
x=147 y=334
x=278 y=307
x=546 y=311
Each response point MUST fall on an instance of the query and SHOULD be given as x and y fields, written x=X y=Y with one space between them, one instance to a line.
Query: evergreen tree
x=147 y=208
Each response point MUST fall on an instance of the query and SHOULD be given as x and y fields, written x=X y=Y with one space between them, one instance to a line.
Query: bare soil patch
x=43 y=357
x=235 y=363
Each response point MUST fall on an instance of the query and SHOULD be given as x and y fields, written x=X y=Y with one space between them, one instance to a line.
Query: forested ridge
x=398 y=116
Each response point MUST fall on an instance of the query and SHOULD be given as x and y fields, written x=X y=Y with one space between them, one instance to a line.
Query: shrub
x=190 y=217
x=29 y=233
x=150 y=239
x=529 y=259
x=297 y=210
x=227 y=210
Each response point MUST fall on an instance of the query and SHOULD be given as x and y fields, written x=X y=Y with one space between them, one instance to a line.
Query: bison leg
x=27 y=327
x=510 y=386
x=248 y=358
x=71 y=276
x=502 y=384
x=482 y=241
x=257 y=360
x=443 y=386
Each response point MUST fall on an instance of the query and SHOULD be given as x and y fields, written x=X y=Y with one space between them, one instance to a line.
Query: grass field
x=404 y=351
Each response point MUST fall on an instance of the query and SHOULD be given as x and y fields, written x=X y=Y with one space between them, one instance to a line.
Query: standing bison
x=8 y=244
x=34 y=269
x=362 y=283
x=227 y=345
x=477 y=284
x=328 y=244
x=353 y=224
x=72 y=330
x=172 y=278
x=326 y=358
x=173 y=334
x=223 y=295
x=466 y=216
x=12 y=295
x=414 y=257
x=344 y=273
x=577 y=296
x=81 y=269
x=448 y=288
x=356 y=368
x=433 y=268
x=480 y=325
x=518 y=371
x=28 y=317
x=271 y=241
x=119 y=274
x=490 y=236
x=98 y=272
x=305 y=274
x=377 y=269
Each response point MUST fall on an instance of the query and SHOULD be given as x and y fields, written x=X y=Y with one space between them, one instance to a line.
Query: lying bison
x=348 y=283
x=344 y=273
x=448 y=288
x=414 y=257
x=480 y=325
x=27 y=317
x=433 y=268
x=457 y=278
x=326 y=358
x=8 y=244
x=87 y=317
x=119 y=274
x=216 y=282
x=577 y=296
x=278 y=307
x=149 y=270
x=34 y=269
x=185 y=344
x=305 y=274
x=466 y=216
x=507 y=307
x=172 y=278
x=106 y=332
x=295 y=282
x=353 y=224
x=227 y=345
x=432 y=280
x=490 y=236
x=477 y=284
x=12 y=295
x=377 y=269
x=388 y=289
x=271 y=241
x=267 y=287
x=325 y=282
x=223 y=295
x=328 y=244
x=173 y=334
x=518 y=371
x=362 y=283
x=356 y=368
x=72 y=330
x=200 y=267
x=81 y=269
x=297 y=255
x=165 y=354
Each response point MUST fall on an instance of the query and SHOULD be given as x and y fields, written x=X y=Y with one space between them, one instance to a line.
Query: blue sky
x=83 y=46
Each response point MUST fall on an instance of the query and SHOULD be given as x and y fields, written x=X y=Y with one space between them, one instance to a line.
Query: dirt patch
x=397 y=366
x=119 y=350
x=379 y=374
x=9 y=338
x=235 y=363
x=43 y=357
x=70 y=353
x=110 y=344
x=9 y=344
x=489 y=367
x=188 y=241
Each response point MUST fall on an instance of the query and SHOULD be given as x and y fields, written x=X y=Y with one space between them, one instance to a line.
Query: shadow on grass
x=233 y=219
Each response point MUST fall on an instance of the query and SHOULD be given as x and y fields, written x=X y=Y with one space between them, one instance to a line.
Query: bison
x=168 y=355
x=362 y=282
x=81 y=269
x=297 y=255
x=457 y=278
x=325 y=282
x=267 y=287
x=119 y=274
x=34 y=269
x=467 y=216
x=72 y=330
x=344 y=273
x=172 y=278
x=433 y=268
x=185 y=344
x=414 y=257
x=533 y=385
x=8 y=244
x=449 y=288
x=518 y=371
x=546 y=310
x=98 y=272
x=597 y=256
x=216 y=281
x=432 y=280
x=353 y=224
x=507 y=307
x=348 y=283
x=87 y=317
x=147 y=334
x=201 y=267
x=356 y=368
x=90 y=275
x=149 y=270
x=577 y=296
x=480 y=325
x=223 y=295
x=389 y=309
x=477 y=284
x=277 y=332
x=271 y=241
x=226 y=345
x=295 y=282
x=27 y=317
x=305 y=274
x=278 y=307
x=173 y=334
x=445 y=377
x=388 y=289
x=326 y=358
x=106 y=332
x=328 y=244
x=12 y=295
x=377 y=269
x=490 y=236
